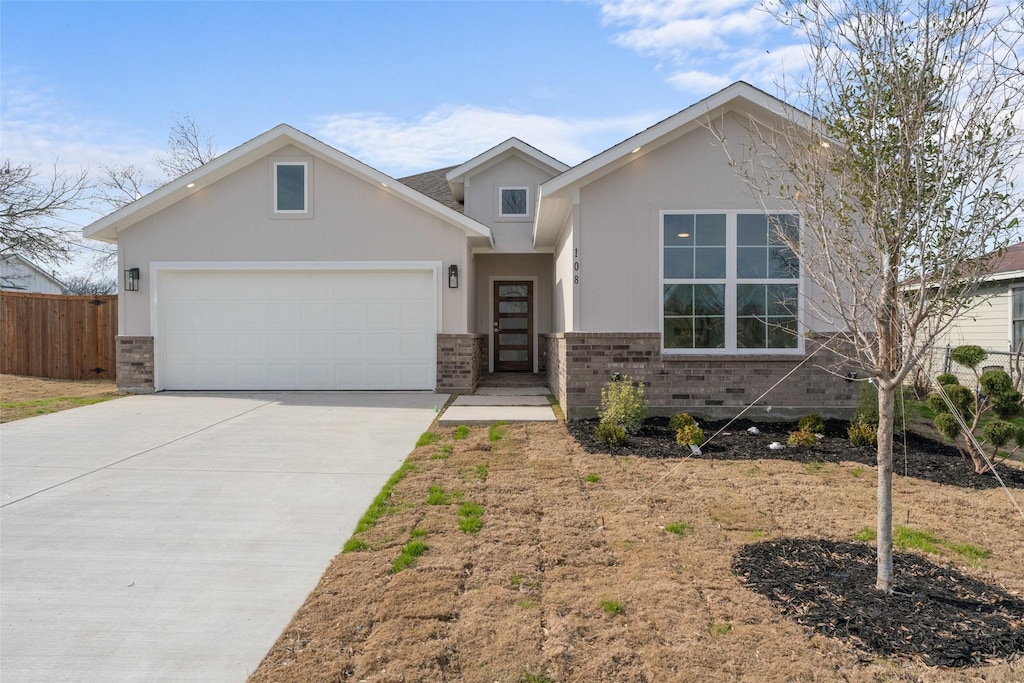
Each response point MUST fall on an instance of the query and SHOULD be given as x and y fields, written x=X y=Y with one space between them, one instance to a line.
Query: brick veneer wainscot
x=135 y=365
x=711 y=387
x=459 y=362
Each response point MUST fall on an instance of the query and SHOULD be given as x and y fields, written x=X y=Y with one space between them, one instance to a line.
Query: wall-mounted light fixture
x=131 y=280
x=453 y=276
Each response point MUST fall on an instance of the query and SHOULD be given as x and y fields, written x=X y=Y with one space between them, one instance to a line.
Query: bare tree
x=31 y=205
x=188 y=148
x=902 y=175
x=86 y=285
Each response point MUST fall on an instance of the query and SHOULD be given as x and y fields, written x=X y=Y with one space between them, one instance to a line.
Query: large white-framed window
x=730 y=283
x=291 y=187
x=1017 y=319
x=513 y=202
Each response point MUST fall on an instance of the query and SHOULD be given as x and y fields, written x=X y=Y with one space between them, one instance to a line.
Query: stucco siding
x=511 y=234
x=561 y=320
x=232 y=221
x=536 y=267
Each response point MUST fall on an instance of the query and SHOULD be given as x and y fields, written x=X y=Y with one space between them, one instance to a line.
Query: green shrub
x=680 y=420
x=610 y=435
x=867 y=404
x=863 y=434
x=690 y=435
x=947 y=378
x=961 y=397
x=998 y=432
x=623 y=404
x=801 y=438
x=811 y=423
x=968 y=355
x=947 y=425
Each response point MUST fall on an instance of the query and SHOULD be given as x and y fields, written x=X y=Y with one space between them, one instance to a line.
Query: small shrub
x=680 y=420
x=690 y=435
x=968 y=355
x=863 y=434
x=610 y=435
x=867 y=407
x=960 y=396
x=801 y=439
x=998 y=432
x=613 y=607
x=811 y=423
x=947 y=378
x=947 y=425
x=623 y=404
x=461 y=432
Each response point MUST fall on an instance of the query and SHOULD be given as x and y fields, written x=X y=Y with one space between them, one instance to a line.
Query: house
x=995 y=318
x=18 y=274
x=288 y=264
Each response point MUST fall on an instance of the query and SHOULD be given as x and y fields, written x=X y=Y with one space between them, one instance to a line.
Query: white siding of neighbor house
x=16 y=276
x=351 y=220
x=511 y=235
x=986 y=324
x=617 y=228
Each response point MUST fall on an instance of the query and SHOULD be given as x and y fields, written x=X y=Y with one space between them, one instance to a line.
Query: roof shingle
x=434 y=184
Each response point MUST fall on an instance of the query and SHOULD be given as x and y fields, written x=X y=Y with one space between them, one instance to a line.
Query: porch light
x=131 y=280
x=453 y=276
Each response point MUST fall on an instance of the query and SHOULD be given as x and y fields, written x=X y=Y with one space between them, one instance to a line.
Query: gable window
x=1018 y=319
x=513 y=202
x=290 y=187
x=729 y=282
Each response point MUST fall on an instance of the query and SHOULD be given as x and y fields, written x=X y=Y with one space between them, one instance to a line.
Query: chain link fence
x=938 y=360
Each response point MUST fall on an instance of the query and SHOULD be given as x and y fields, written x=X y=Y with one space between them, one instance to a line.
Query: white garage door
x=288 y=329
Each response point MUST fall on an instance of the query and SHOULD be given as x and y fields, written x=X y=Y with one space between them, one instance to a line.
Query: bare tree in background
x=902 y=175
x=188 y=148
x=31 y=204
x=86 y=285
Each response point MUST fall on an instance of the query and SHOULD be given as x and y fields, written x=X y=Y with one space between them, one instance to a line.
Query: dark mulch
x=923 y=458
x=937 y=614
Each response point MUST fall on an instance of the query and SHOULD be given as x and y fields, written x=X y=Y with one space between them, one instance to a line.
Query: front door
x=513 y=326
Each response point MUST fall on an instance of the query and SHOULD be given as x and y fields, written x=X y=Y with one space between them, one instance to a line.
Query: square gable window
x=290 y=187
x=514 y=202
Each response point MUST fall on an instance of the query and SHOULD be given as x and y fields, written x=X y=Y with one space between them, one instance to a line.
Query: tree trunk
x=886 y=415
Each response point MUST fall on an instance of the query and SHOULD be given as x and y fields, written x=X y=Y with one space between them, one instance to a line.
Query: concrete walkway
x=171 y=537
x=497 y=404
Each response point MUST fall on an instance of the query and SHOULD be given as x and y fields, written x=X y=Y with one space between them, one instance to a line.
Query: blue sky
x=403 y=86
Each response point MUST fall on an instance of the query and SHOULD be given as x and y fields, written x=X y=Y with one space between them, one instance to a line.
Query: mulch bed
x=936 y=614
x=923 y=458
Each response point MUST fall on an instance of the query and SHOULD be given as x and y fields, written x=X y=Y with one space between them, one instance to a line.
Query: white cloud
x=453 y=134
x=703 y=46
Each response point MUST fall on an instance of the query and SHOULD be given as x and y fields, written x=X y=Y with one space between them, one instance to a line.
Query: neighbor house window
x=290 y=187
x=729 y=282
x=513 y=201
x=1018 y=319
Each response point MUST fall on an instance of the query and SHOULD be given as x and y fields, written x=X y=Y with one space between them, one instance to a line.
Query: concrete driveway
x=172 y=536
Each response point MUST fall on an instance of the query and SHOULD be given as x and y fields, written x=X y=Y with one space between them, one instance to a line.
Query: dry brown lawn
x=574 y=575
x=22 y=397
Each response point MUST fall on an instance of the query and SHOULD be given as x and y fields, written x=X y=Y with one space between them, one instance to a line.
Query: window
x=1018 y=319
x=290 y=195
x=513 y=202
x=730 y=282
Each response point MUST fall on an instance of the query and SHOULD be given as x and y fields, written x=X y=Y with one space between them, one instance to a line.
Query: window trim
x=1013 y=318
x=305 y=188
x=501 y=203
x=730 y=281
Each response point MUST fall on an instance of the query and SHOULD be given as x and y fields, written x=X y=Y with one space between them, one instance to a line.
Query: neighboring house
x=18 y=274
x=996 y=321
x=287 y=264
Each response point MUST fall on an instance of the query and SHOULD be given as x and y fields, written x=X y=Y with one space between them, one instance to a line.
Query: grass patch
x=720 y=628
x=813 y=467
x=446 y=450
x=858 y=471
x=427 y=439
x=496 y=432
x=407 y=558
x=354 y=545
x=461 y=432
x=678 y=528
x=479 y=472
x=592 y=478
x=528 y=677
x=905 y=538
x=470 y=515
x=438 y=496
x=527 y=604
x=613 y=607
x=417 y=533
x=16 y=410
x=379 y=506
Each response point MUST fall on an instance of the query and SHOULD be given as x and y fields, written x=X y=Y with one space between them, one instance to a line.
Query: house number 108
x=576 y=266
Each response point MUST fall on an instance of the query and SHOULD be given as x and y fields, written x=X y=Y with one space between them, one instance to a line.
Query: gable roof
x=511 y=147
x=435 y=185
x=1008 y=265
x=13 y=261
x=556 y=195
x=106 y=229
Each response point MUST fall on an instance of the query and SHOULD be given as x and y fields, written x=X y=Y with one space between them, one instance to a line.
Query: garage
x=296 y=327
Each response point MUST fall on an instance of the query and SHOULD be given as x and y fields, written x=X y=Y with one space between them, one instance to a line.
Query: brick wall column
x=459 y=360
x=135 y=362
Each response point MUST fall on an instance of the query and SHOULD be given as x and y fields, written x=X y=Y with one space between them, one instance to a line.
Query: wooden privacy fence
x=52 y=335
